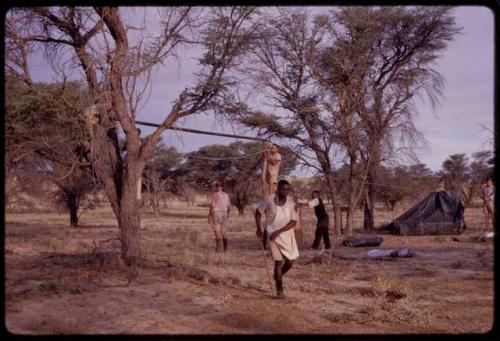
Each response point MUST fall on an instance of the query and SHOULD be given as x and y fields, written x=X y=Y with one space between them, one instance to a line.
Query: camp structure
x=438 y=213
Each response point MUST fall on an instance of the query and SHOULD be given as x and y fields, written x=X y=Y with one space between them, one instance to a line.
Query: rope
x=223 y=158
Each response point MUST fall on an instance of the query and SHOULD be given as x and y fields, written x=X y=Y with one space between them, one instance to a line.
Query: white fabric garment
x=313 y=203
x=269 y=205
x=220 y=201
x=278 y=217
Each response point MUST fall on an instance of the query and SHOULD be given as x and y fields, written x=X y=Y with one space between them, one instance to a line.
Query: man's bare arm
x=287 y=227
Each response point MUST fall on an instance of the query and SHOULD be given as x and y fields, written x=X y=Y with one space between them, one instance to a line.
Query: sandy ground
x=61 y=280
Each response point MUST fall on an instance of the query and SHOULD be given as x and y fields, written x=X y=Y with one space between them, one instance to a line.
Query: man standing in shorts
x=281 y=218
x=488 y=196
x=220 y=207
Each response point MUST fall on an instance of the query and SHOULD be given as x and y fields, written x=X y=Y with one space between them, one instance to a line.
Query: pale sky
x=454 y=127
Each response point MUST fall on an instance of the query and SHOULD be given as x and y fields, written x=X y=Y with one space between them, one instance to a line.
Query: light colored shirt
x=220 y=201
x=270 y=206
x=313 y=203
x=488 y=193
x=278 y=217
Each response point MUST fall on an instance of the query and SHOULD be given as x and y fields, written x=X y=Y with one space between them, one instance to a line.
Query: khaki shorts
x=219 y=220
x=275 y=251
x=488 y=206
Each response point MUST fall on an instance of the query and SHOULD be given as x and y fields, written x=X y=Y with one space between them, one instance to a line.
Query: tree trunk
x=130 y=219
x=240 y=205
x=369 y=216
x=73 y=205
x=335 y=204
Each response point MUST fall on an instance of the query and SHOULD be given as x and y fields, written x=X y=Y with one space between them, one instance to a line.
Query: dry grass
x=61 y=280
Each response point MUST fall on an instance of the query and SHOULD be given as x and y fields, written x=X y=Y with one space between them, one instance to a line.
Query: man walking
x=488 y=196
x=281 y=218
x=220 y=206
x=323 y=220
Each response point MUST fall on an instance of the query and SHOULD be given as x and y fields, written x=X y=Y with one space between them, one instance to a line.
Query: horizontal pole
x=196 y=131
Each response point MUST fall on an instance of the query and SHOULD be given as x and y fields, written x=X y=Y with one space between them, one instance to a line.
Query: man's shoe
x=314 y=247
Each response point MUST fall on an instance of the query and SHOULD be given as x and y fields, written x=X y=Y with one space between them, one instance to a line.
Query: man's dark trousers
x=322 y=232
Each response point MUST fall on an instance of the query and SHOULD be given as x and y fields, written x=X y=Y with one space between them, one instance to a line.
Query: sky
x=456 y=126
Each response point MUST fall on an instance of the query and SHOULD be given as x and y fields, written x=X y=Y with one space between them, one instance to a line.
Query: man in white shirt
x=281 y=218
x=323 y=220
x=220 y=206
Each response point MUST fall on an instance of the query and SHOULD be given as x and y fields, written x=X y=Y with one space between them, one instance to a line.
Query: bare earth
x=61 y=280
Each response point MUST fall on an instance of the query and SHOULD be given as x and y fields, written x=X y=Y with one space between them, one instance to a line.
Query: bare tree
x=117 y=60
x=392 y=51
x=278 y=66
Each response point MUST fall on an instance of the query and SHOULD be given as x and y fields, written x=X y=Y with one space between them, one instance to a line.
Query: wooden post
x=298 y=229
x=264 y=195
x=264 y=171
x=139 y=188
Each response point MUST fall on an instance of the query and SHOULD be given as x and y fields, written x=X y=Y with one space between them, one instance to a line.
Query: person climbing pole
x=273 y=168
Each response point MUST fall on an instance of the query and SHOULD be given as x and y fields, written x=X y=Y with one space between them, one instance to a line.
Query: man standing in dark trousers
x=323 y=220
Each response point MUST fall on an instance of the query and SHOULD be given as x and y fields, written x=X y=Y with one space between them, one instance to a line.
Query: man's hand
x=258 y=233
x=274 y=235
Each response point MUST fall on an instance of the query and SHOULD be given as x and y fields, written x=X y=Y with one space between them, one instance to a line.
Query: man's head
x=283 y=188
x=274 y=148
x=315 y=194
x=489 y=182
x=218 y=187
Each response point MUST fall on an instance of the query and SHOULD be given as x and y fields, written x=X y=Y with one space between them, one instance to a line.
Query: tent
x=439 y=213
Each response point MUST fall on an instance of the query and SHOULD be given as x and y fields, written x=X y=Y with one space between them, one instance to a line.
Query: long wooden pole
x=264 y=195
x=196 y=131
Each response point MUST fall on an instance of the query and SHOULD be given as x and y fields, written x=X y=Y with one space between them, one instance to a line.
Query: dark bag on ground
x=363 y=241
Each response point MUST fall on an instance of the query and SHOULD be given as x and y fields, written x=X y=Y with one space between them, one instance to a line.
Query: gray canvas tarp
x=438 y=213
x=363 y=241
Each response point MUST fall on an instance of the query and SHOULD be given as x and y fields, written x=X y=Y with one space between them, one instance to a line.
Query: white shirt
x=313 y=203
x=278 y=217
x=270 y=206
x=220 y=201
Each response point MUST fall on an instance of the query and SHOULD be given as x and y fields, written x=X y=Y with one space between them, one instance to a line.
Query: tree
x=117 y=57
x=380 y=60
x=456 y=171
x=43 y=136
x=278 y=67
x=237 y=166
x=162 y=175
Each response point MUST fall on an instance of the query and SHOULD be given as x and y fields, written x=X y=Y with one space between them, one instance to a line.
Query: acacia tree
x=394 y=50
x=44 y=138
x=466 y=177
x=162 y=175
x=237 y=165
x=117 y=59
x=279 y=68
